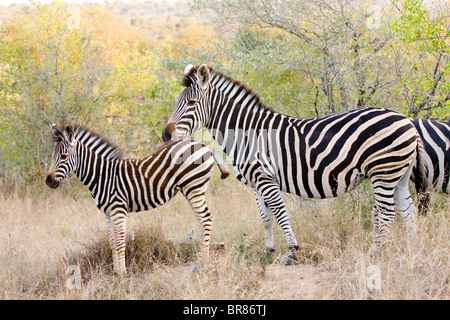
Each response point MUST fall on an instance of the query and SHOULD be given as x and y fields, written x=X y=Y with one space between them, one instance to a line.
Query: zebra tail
x=421 y=177
x=222 y=166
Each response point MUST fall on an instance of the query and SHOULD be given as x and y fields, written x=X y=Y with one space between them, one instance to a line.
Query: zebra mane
x=97 y=143
x=236 y=89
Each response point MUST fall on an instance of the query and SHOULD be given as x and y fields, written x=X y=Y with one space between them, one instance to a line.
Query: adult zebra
x=120 y=186
x=436 y=140
x=313 y=158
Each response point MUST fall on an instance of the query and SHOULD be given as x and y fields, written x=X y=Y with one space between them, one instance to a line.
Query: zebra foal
x=119 y=185
x=314 y=158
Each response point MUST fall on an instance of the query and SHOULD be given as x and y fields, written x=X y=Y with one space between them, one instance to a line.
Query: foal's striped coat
x=121 y=185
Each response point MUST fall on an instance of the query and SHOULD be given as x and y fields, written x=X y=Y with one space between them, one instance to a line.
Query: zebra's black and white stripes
x=436 y=140
x=121 y=185
x=314 y=158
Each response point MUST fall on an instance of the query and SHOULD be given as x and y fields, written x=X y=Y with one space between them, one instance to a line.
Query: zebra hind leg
x=383 y=218
x=383 y=212
x=200 y=208
x=404 y=203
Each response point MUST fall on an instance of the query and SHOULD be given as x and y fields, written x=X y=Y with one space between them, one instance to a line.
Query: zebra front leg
x=267 y=219
x=118 y=217
x=270 y=193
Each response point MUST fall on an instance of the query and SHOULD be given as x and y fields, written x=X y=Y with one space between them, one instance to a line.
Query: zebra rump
x=435 y=136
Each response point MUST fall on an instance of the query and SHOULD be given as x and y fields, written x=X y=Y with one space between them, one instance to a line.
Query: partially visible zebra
x=313 y=158
x=121 y=185
x=436 y=140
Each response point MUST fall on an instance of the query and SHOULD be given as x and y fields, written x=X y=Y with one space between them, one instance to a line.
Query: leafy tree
x=422 y=52
x=57 y=67
x=52 y=71
x=322 y=56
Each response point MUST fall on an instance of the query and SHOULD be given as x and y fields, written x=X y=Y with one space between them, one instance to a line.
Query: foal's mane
x=97 y=143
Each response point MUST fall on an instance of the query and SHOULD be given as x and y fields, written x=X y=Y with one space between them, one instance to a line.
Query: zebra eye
x=192 y=102
x=64 y=156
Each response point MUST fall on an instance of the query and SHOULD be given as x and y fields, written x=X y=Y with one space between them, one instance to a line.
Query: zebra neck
x=90 y=167
x=235 y=119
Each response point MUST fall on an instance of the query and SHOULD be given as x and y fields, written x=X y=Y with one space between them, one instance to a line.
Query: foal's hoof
x=291 y=260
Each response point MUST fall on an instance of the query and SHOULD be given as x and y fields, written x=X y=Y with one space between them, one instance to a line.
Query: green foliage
x=423 y=42
x=307 y=58
x=121 y=76
x=51 y=73
x=55 y=67
x=250 y=250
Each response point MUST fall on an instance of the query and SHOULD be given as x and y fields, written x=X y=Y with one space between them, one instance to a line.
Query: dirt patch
x=300 y=282
x=296 y=282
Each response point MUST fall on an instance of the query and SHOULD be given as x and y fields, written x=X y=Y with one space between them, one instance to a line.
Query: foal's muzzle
x=51 y=182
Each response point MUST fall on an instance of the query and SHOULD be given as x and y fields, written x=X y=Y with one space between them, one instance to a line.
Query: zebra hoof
x=269 y=251
x=291 y=260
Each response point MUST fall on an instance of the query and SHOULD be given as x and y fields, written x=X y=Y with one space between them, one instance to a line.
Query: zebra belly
x=150 y=199
x=330 y=185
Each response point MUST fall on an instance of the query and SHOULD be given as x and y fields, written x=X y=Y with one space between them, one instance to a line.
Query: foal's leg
x=112 y=244
x=197 y=200
x=117 y=217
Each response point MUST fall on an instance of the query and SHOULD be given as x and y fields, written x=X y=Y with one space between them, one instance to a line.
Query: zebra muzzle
x=167 y=132
x=51 y=182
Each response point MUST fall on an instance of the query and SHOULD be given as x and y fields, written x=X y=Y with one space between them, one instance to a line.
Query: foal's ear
x=204 y=75
x=69 y=132
x=188 y=69
x=57 y=134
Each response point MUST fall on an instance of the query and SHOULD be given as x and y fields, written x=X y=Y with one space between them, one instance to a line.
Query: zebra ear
x=69 y=132
x=188 y=69
x=203 y=75
x=57 y=134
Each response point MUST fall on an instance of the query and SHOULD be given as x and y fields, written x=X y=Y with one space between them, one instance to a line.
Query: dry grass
x=45 y=232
